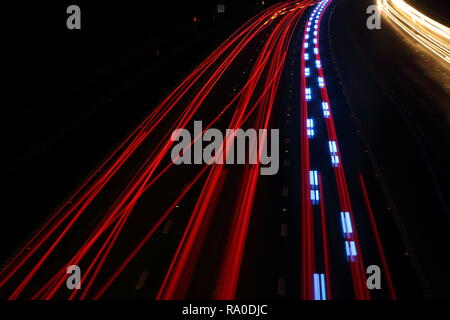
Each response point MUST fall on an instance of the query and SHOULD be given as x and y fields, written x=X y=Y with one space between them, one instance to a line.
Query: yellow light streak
x=431 y=34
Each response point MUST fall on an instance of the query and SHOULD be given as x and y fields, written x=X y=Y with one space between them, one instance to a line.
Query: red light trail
x=253 y=106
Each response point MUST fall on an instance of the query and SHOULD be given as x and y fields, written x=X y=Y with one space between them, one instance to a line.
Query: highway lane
x=338 y=245
x=397 y=97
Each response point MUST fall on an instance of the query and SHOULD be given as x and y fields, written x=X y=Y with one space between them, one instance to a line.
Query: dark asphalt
x=402 y=114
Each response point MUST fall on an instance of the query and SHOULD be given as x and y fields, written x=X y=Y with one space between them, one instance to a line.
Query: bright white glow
x=315 y=197
x=321 y=83
x=322 y=287
x=319 y=286
x=350 y=248
x=431 y=34
x=346 y=224
x=343 y=223
x=314 y=184
x=310 y=128
x=332 y=145
x=313 y=180
x=334 y=154
x=316 y=280
x=326 y=109
x=308 y=94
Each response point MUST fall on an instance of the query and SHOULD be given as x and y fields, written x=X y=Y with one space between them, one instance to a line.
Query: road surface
x=355 y=179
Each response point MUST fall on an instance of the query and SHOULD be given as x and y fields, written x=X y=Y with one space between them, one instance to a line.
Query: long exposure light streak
x=249 y=105
x=351 y=243
x=429 y=33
